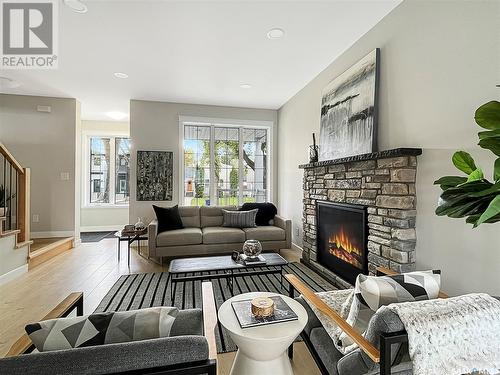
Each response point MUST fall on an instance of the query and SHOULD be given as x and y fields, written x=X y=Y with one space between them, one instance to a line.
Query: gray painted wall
x=155 y=126
x=439 y=62
x=44 y=142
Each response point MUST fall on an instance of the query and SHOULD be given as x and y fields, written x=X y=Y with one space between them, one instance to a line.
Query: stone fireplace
x=366 y=207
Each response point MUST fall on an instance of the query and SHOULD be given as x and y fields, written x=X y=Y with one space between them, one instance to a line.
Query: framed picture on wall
x=349 y=111
x=154 y=175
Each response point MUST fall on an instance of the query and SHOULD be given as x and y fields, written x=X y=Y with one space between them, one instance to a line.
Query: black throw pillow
x=168 y=218
x=265 y=213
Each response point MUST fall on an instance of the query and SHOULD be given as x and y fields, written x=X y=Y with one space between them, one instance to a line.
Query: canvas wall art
x=349 y=111
x=154 y=175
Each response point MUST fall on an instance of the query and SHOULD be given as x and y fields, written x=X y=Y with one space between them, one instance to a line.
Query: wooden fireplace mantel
x=371 y=156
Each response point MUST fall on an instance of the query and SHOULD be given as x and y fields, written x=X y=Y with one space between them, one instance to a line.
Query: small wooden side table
x=130 y=237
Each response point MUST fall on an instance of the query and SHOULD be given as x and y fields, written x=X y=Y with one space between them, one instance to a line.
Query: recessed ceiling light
x=120 y=75
x=76 y=6
x=276 y=33
x=246 y=86
x=8 y=83
x=117 y=115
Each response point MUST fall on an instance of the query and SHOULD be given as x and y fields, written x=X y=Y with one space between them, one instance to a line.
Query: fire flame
x=341 y=240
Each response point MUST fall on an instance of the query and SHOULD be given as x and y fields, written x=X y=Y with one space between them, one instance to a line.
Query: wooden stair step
x=43 y=254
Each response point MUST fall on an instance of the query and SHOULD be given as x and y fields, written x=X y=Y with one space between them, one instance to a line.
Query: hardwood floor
x=91 y=268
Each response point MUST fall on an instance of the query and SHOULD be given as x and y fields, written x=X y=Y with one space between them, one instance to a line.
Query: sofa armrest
x=145 y=356
x=152 y=233
x=286 y=225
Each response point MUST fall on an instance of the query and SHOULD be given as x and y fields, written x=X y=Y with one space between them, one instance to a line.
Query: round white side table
x=262 y=350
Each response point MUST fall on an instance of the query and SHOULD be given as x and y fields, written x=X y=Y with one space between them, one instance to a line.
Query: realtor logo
x=29 y=34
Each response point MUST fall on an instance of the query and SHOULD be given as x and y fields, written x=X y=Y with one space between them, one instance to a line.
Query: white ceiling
x=196 y=51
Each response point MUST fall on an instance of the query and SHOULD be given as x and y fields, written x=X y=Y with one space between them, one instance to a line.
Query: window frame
x=85 y=183
x=230 y=123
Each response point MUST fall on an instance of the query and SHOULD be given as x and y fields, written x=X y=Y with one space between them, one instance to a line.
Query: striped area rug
x=137 y=291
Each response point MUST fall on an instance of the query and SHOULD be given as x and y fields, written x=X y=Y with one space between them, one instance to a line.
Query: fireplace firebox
x=342 y=239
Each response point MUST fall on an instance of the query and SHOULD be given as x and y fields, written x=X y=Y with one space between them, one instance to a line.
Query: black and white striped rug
x=137 y=291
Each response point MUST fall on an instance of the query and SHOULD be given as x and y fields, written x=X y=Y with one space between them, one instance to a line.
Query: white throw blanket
x=339 y=301
x=456 y=335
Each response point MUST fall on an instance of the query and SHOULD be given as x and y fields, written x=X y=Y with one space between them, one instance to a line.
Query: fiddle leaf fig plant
x=473 y=196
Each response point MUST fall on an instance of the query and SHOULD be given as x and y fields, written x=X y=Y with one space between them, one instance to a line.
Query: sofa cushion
x=168 y=218
x=213 y=235
x=265 y=233
x=266 y=212
x=190 y=216
x=371 y=292
x=102 y=328
x=239 y=219
x=185 y=236
x=211 y=216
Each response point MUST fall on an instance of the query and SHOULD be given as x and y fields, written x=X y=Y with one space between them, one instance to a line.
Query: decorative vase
x=252 y=248
x=140 y=224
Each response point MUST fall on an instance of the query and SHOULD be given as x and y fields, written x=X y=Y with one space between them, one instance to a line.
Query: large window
x=108 y=170
x=224 y=164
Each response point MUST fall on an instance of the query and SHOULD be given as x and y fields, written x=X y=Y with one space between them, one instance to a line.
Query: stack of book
x=252 y=261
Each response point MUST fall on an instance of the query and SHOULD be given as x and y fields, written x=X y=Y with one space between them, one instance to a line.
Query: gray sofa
x=203 y=234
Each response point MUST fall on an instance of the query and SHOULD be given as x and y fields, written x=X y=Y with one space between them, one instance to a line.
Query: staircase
x=16 y=251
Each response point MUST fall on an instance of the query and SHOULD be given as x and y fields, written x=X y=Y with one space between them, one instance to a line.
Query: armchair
x=191 y=348
x=382 y=350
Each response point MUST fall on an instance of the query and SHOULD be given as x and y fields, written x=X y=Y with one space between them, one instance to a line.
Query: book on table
x=282 y=313
x=253 y=261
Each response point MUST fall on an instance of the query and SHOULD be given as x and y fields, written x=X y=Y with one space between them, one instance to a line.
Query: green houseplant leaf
x=476 y=175
x=492 y=144
x=492 y=211
x=464 y=162
x=450 y=181
x=488 y=115
x=496 y=170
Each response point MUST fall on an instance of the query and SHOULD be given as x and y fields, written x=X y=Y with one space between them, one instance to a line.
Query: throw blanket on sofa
x=452 y=336
x=339 y=301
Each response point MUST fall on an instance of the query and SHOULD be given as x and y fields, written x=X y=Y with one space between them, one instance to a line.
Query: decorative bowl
x=252 y=248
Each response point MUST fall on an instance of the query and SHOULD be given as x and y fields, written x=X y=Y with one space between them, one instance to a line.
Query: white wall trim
x=100 y=228
x=48 y=234
x=13 y=274
x=296 y=247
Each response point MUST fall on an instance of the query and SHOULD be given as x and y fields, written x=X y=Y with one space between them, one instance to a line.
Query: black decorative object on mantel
x=313 y=151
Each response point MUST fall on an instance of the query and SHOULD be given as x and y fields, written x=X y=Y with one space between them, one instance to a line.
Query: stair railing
x=14 y=196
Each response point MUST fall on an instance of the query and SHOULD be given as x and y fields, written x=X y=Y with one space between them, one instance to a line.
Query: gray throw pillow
x=102 y=328
x=239 y=219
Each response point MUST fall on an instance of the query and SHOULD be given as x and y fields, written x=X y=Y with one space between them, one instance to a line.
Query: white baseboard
x=297 y=247
x=100 y=228
x=49 y=234
x=13 y=274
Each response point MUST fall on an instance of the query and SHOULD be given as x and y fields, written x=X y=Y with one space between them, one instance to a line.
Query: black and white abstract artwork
x=349 y=111
x=154 y=175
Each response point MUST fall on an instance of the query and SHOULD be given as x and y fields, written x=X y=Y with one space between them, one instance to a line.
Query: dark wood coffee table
x=179 y=267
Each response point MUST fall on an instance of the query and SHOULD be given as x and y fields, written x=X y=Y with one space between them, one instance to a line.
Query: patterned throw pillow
x=372 y=292
x=102 y=328
x=239 y=219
